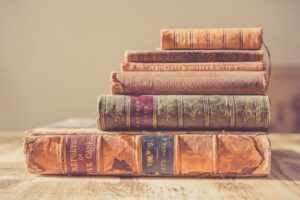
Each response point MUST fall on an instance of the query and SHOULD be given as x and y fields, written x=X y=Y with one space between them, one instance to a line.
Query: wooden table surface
x=283 y=183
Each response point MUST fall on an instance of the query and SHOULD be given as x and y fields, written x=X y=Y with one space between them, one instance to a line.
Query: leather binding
x=214 y=66
x=183 y=112
x=190 y=83
x=222 y=38
x=170 y=153
x=182 y=56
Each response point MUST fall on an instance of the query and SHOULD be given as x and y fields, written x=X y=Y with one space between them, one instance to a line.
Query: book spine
x=216 y=66
x=179 y=56
x=205 y=82
x=225 y=155
x=146 y=112
x=234 y=38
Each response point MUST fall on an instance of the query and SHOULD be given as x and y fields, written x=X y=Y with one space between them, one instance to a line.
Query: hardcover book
x=189 y=83
x=223 y=38
x=178 y=56
x=213 y=66
x=175 y=112
x=87 y=151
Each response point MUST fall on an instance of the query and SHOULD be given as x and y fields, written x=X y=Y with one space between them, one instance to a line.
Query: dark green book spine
x=183 y=112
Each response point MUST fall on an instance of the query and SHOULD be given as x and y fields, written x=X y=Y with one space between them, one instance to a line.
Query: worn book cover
x=213 y=66
x=88 y=151
x=214 y=112
x=201 y=82
x=221 y=38
x=174 y=56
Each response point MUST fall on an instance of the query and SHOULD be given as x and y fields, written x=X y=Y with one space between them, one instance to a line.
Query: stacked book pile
x=195 y=107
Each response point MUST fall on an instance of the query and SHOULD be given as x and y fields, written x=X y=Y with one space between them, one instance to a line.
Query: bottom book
x=87 y=151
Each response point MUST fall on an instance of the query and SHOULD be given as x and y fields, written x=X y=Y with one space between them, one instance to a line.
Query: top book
x=223 y=38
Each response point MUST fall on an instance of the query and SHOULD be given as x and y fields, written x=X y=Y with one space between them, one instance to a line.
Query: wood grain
x=17 y=183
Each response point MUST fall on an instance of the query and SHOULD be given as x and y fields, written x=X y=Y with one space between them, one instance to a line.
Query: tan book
x=87 y=151
x=214 y=66
x=189 y=83
x=222 y=38
x=182 y=56
x=184 y=112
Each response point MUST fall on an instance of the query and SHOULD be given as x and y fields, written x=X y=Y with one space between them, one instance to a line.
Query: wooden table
x=283 y=183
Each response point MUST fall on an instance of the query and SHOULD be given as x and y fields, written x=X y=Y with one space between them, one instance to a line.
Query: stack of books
x=195 y=107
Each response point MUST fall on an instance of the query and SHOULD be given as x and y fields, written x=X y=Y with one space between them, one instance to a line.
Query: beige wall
x=56 y=56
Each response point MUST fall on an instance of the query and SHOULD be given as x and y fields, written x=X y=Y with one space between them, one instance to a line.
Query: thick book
x=87 y=151
x=174 y=112
x=202 y=82
x=174 y=56
x=222 y=38
x=214 y=66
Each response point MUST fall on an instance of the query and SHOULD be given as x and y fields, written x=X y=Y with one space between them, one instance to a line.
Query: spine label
x=141 y=112
x=158 y=154
x=81 y=154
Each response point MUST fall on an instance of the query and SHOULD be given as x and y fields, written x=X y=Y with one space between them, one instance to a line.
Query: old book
x=214 y=66
x=223 y=38
x=174 y=56
x=91 y=152
x=204 y=82
x=214 y=112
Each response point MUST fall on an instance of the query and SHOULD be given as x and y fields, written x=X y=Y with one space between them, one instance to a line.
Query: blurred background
x=56 y=56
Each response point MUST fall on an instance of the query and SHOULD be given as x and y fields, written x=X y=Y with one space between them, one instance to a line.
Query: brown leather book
x=181 y=56
x=214 y=66
x=185 y=112
x=204 y=82
x=223 y=38
x=87 y=151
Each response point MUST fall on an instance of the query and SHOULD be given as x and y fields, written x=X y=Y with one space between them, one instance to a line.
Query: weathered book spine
x=215 y=112
x=205 y=82
x=178 y=56
x=203 y=154
x=215 y=66
x=229 y=38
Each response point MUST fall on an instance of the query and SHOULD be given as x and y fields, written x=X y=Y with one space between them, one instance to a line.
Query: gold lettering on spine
x=89 y=147
x=251 y=66
x=73 y=155
x=137 y=114
x=149 y=156
x=163 y=162
x=89 y=154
